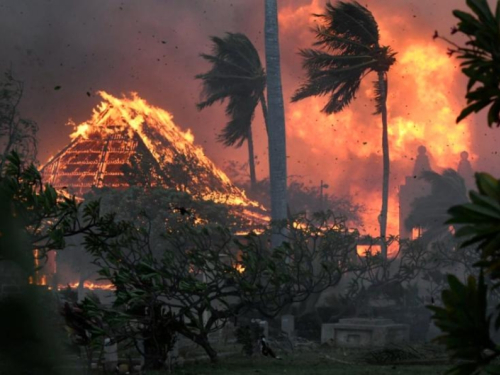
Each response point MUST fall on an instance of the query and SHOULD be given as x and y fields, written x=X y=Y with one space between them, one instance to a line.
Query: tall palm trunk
x=251 y=160
x=276 y=117
x=382 y=77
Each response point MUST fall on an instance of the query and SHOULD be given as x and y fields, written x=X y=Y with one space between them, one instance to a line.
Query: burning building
x=127 y=141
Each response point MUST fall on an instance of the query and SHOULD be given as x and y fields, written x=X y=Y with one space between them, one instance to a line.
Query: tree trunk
x=205 y=344
x=251 y=160
x=382 y=77
x=155 y=354
x=276 y=117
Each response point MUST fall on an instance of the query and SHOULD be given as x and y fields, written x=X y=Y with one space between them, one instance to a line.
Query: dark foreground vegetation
x=188 y=273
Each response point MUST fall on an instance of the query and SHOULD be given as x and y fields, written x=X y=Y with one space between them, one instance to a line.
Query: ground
x=302 y=364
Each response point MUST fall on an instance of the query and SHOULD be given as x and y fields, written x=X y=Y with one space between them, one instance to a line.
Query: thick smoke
x=153 y=47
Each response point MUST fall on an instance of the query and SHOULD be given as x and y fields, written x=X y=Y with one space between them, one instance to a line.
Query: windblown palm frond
x=346 y=24
x=238 y=76
x=351 y=34
x=241 y=112
x=431 y=212
x=348 y=39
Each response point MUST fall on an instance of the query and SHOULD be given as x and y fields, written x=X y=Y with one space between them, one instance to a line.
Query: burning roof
x=128 y=132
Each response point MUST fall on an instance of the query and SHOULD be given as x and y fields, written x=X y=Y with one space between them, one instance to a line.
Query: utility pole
x=321 y=187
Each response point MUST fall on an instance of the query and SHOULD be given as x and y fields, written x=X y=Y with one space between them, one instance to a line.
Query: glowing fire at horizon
x=88 y=285
x=425 y=96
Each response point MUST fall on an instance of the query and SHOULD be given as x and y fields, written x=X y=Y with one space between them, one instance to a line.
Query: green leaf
x=476 y=107
x=488 y=185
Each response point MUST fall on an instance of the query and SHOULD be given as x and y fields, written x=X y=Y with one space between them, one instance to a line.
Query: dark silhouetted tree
x=236 y=75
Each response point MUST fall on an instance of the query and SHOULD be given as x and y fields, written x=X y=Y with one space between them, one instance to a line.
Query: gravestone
x=327 y=333
x=357 y=332
x=140 y=346
x=264 y=325
x=228 y=333
x=433 y=332
x=110 y=357
x=288 y=324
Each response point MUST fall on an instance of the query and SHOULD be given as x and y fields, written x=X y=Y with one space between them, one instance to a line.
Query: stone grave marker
x=288 y=325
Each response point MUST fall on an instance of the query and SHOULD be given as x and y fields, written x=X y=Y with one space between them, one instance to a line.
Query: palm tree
x=237 y=75
x=350 y=49
x=431 y=212
x=276 y=120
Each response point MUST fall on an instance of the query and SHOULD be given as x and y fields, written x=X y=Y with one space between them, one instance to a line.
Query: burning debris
x=88 y=285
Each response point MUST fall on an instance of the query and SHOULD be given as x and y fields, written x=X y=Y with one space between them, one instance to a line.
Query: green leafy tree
x=80 y=325
x=36 y=216
x=247 y=336
x=164 y=208
x=465 y=323
x=350 y=48
x=205 y=276
x=480 y=57
x=237 y=76
x=33 y=216
x=467 y=314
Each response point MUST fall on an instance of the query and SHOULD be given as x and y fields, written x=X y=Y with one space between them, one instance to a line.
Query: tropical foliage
x=468 y=318
x=237 y=76
x=35 y=215
x=480 y=57
x=205 y=276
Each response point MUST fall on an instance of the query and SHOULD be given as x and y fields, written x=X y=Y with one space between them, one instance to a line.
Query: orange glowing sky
x=421 y=110
x=154 y=50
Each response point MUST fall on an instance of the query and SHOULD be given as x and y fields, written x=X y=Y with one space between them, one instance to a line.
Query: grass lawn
x=309 y=364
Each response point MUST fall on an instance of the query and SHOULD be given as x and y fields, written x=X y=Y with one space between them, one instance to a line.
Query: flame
x=239 y=267
x=362 y=250
x=88 y=285
x=38 y=280
x=156 y=128
x=425 y=96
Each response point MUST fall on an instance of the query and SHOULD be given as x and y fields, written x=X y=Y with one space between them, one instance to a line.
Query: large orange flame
x=345 y=149
x=88 y=285
x=155 y=126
